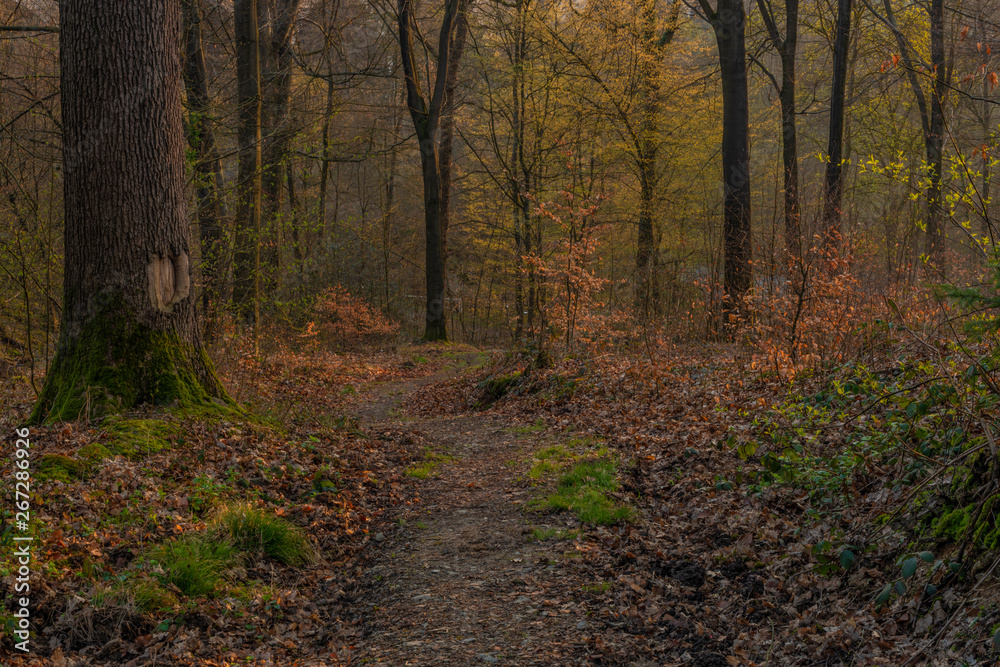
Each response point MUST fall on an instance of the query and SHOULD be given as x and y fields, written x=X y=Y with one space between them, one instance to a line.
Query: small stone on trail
x=379 y=537
x=582 y=625
x=421 y=598
x=522 y=599
x=486 y=657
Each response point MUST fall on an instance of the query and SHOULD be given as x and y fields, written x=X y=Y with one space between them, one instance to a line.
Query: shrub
x=347 y=321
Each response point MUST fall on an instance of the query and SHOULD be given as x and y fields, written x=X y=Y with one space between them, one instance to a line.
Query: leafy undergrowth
x=846 y=518
x=195 y=538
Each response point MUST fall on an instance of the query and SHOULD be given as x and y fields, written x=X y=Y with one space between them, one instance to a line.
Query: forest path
x=455 y=579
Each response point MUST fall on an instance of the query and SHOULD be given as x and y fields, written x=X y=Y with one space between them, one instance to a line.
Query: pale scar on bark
x=169 y=280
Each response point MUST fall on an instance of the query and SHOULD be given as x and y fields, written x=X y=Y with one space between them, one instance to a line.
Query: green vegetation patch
x=598 y=588
x=194 y=564
x=252 y=530
x=137 y=438
x=429 y=466
x=537 y=427
x=60 y=467
x=93 y=453
x=140 y=593
x=584 y=491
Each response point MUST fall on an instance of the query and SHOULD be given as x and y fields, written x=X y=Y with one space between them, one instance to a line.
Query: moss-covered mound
x=115 y=363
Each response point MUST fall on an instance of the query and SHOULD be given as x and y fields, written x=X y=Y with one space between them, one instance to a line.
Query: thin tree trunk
x=789 y=133
x=931 y=119
x=448 y=120
x=130 y=333
x=246 y=255
x=324 y=173
x=935 y=137
x=833 y=186
x=646 y=303
x=786 y=46
x=208 y=167
x=276 y=126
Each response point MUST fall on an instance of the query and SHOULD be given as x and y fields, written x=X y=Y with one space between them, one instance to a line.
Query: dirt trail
x=455 y=580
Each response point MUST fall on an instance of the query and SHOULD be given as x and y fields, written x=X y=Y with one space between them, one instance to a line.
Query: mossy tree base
x=436 y=333
x=117 y=363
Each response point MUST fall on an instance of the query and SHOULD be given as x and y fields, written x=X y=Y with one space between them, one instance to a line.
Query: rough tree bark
x=729 y=22
x=246 y=254
x=208 y=166
x=426 y=115
x=833 y=186
x=129 y=334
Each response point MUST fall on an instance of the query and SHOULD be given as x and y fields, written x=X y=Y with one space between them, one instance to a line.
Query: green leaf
x=930 y=590
x=900 y=587
x=909 y=567
x=883 y=597
x=846 y=558
x=926 y=556
x=996 y=639
x=893 y=307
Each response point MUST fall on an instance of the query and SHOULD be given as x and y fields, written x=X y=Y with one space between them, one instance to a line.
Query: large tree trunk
x=730 y=24
x=246 y=255
x=833 y=185
x=208 y=167
x=130 y=334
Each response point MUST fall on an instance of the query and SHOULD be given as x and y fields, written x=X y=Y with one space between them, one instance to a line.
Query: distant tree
x=247 y=253
x=786 y=44
x=833 y=184
x=728 y=19
x=129 y=333
x=426 y=115
x=932 y=116
x=208 y=164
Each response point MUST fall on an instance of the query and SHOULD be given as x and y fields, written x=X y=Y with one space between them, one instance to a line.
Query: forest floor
x=466 y=510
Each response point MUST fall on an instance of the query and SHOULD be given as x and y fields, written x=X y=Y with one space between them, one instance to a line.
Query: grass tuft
x=193 y=564
x=583 y=490
x=429 y=466
x=252 y=530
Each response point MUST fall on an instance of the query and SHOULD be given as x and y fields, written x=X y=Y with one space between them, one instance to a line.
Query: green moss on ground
x=60 y=467
x=93 y=453
x=136 y=438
